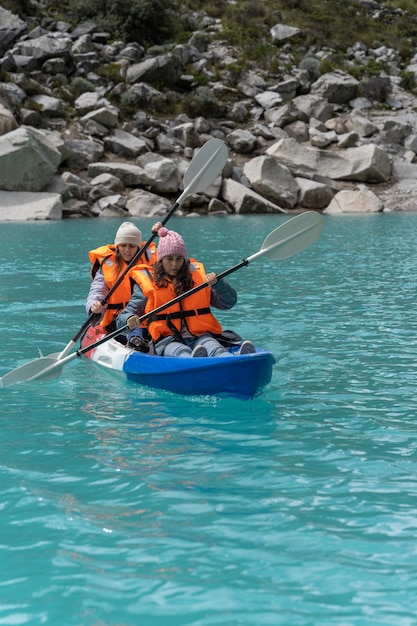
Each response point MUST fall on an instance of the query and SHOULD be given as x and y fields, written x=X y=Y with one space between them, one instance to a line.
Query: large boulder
x=300 y=159
x=28 y=160
x=26 y=206
x=244 y=200
x=337 y=87
x=272 y=180
x=11 y=27
x=367 y=164
x=360 y=200
x=165 y=68
x=47 y=46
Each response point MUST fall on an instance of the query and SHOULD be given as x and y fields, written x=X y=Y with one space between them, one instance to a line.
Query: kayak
x=241 y=376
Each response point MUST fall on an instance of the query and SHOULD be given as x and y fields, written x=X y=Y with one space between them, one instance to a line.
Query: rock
x=161 y=171
x=217 y=207
x=28 y=160
x=142 y=203
x=312 y=105
x=367 y=163
x=337 y=87
x=107 y=181
x=320 y=139
x=74 y=208
x=107 y=116
x=89 y=101
x=358 y=123
x=268 y=99
x=46 y=46
x=281 y=32
x=48 y=105
x=81 y=152
x=76 y=186
x=272 y=180
x=79 y=100
x=11 y=28
x=355 y=201
x=284 y=115
x=7 y=120
x=246 y=201
x=301 y=160
x=25 y=206
x=165 y=68
x=242 y=141
x=130 y=175
x=314 y=195
x=124 y=144
x=111 y=206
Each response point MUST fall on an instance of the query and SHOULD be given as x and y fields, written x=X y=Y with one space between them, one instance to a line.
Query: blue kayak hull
x=239 y=376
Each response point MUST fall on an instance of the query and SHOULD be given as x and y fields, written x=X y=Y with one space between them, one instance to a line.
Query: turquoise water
x=122 y=506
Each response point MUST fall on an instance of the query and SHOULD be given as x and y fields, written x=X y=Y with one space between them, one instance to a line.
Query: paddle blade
x=295 y=235
x=33 y=369
x=205 y=167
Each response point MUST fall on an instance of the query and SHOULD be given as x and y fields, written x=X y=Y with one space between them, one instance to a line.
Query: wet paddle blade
x=204 y=168
x=33 y=369
x=295 y=235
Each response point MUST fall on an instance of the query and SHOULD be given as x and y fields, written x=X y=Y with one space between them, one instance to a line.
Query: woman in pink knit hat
x=187 y=328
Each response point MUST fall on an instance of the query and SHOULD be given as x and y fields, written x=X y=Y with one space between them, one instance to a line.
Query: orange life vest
x=104 y=258
x=194 y=310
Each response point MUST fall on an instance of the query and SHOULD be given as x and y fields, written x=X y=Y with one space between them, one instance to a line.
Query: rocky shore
x=77 y=141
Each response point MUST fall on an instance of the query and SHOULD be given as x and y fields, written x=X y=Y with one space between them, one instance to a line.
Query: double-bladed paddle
x=203 y=169
x=293 y=236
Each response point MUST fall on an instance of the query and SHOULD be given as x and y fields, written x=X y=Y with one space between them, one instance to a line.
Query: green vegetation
x=246 y=24
x=18 y=7
x=80 y=85
x=111 y=71
x=327 y=29
x=145 y=21
x=324 y=23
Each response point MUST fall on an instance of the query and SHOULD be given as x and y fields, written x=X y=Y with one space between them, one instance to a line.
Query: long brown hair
x=182 y=282
x=119 y=266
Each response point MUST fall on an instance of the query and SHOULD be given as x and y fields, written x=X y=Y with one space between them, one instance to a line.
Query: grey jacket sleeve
x=135 y=306
x=98 y=290
x=223 y=295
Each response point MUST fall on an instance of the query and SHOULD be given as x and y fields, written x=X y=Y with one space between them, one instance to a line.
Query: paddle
x=203 y=169
x=294 y=235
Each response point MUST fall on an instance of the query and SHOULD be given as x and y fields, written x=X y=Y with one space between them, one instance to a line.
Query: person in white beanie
x=108 y=262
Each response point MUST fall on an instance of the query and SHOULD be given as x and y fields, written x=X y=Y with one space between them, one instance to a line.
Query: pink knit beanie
x=170 y=243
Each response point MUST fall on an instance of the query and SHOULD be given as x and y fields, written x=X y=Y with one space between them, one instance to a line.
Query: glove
x=133 y=322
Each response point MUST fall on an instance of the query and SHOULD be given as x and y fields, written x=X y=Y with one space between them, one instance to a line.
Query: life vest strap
x=179 y=314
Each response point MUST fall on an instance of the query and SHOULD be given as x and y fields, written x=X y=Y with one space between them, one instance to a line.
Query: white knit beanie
x=128 y=233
